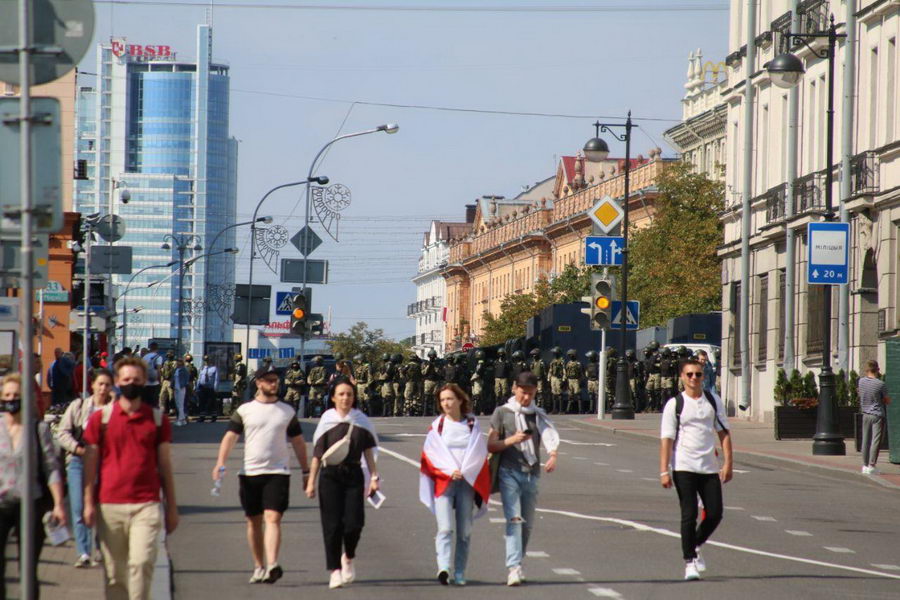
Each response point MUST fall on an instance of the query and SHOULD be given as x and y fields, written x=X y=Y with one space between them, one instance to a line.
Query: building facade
x=430 y=307
x=158 y=126
x=512 y=243
x=781 y=206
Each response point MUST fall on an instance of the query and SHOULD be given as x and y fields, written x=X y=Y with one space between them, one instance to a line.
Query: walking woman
x=454 y=478
x=69 y=434
x=344 y=435
x=48 y=472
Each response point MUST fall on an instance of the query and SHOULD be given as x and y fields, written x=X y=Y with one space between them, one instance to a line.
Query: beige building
x=874 y=201
x=513 y=242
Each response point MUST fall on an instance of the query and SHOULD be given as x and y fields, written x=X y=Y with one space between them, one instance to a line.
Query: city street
x=606 y=529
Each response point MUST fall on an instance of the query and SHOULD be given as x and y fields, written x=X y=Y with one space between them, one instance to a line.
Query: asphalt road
x=606 y=529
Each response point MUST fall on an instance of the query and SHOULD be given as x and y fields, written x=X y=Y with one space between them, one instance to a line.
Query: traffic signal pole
x=601 y=393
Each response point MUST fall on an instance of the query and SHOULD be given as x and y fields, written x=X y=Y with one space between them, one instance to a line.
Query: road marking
x=580 y=457
x=605 y=444
x=767 y=519
x=650 y=478
x=734 y=508
x=498 y=520
x=739 y=471
x=840 y=549
x=605 y=593
x=887 y=567
x=796 y=532
x=601 y=464
x=659 y=531
x=537 y=554
x=566 y=571
x=624 y=470
x=491 y=509
x=408 y=434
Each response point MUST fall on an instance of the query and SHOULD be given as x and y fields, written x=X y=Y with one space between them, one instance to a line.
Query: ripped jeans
x=518 y=492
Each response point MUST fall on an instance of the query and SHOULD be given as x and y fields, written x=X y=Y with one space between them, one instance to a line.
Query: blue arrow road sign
x=828 y=253
x=603 y=250
x=283 y=304
x=634 y=314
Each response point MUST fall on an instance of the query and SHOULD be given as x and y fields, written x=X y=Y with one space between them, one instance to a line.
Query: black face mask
x=12 y=406
x=132 y=391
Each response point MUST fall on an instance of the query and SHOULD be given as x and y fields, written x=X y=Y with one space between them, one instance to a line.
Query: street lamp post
x=125 y=300
x=785 y=71
x=389 y=128
x=597 y=149
x=212 y=245
x=182 y=244
x=125 y=196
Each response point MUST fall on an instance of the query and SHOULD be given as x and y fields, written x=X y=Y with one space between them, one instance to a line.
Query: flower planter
x=792 y=423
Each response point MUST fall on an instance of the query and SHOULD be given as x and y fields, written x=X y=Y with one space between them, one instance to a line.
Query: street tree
x=371 y=343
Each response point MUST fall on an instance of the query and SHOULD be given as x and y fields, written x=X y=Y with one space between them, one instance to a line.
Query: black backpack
x=679 y=406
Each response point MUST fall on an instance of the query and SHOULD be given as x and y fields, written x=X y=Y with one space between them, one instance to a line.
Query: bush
x=782 y=391
x=841 y=388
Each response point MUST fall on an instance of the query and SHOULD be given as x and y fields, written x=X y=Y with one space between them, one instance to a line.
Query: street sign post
x=111 y=259
x=292 y=271
x=633 y=319
x=605 y=251
x=606 y=214
x=828 y=256
x=306 y=240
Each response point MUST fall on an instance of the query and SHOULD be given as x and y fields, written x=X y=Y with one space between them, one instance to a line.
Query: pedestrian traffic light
x=299 y=314
x=315 y=325
x=602 y=292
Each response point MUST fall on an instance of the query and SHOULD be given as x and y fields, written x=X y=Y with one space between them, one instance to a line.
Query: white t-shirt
x=456 y=435
x=695 y=447
x=266 y=428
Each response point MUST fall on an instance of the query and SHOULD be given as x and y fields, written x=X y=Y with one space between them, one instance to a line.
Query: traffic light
x=316 y=324
x=299 y=314
x=602 y=292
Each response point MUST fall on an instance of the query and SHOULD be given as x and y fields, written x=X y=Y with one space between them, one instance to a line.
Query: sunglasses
x=692 y=374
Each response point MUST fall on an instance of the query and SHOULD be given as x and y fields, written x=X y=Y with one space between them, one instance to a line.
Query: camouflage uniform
x=574 y=374
x=668 y=367
x=557 y=372
x=385 y=379
x=167 y=390
x=295 y=380
x=238 y=382
x=413 y=375
x=396 y=383
x=502 y=372
x=654 y=381
x=362 y=372
x=477 y=380
x=540 y=371
x=431 y=378
x=316 y=381
x=592 y=372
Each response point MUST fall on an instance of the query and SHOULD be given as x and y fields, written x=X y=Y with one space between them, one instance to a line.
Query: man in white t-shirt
x=688 y=447
x=268 y=424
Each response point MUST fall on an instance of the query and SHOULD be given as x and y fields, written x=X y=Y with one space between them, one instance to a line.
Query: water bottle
x=217 y=486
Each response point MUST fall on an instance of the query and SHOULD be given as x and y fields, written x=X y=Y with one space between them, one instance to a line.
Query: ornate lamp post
x=182 y=244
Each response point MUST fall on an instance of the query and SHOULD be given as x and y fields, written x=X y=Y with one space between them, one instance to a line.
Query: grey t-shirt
x=871 y=393
x=504 y=421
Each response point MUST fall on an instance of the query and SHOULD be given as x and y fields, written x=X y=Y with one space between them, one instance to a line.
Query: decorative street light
x=125 y=300
x=785 y=70
x=212 y=246
x=182 y=245
x=595 y=150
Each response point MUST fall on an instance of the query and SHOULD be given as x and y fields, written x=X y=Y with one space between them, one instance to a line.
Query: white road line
x=763 y=518
x=650 y=478
x=606 y=593
x=734 y=508
x=739 y=471
x=566 y=571
x=408 y=434
x=659 y=531
x=839 y=549
x=798 y=533
x=887 y=567
x=498 y=520
x=579 y=457
x=605 y=444
x=599 y=464
x=537 y=554
x=624 y=470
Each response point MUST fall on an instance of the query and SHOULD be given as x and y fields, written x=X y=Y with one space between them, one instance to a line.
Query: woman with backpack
x=47 y=485
x=69 y=435
x=454 y=478
x=343 y=437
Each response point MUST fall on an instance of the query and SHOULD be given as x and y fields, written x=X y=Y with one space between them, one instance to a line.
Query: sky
x=303 y=72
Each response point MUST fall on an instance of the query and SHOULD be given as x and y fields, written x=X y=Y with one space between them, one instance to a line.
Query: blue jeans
x=459 y=496
x=518 y=492
x=74 y=478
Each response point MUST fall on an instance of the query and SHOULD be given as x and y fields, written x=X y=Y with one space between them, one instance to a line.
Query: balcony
x=864 y=173
x=780 y=28
x=813 y=17
x=809 y=192
x=422 y=306
x=775 y=204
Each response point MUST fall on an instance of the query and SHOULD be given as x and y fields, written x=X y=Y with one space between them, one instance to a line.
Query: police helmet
x=188 y=357
x=238 y=356
x=501 y=352
x=518 y=355
x=629 y=354
x=556 y=351
x=611 y=351
x=358 y=358
x=396 y=358
x=535 y=352
x=654 y=345
x=479 y=355
x=571 y=353
x=295 y=365
x=385 y=357
x=665 y=353
x=170 y=355
x=432 y=354
x=592 y=355
x=317 y=360
x=338 y=356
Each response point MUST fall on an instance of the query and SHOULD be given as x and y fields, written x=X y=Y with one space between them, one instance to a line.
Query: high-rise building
x=157 y=126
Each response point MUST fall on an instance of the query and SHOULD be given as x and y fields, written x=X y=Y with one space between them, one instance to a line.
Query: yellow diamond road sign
x=606 y=213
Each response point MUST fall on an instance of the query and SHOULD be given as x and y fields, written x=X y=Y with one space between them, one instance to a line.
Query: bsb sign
x=137 y=52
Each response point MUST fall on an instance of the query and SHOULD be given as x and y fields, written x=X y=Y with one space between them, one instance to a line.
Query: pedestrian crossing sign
x=633 y=316
x=606 y=214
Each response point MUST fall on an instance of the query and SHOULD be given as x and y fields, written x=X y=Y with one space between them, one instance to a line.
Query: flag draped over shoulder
x=438 y=464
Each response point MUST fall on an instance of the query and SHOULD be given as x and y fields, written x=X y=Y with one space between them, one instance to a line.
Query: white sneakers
x=699 y=562
x=259 y=574
x=690 y=571
x=336 y=580
x=869 y=470
x=515 y=577
x=348 y=573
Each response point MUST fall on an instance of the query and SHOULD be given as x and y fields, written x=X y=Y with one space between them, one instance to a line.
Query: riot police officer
x=502 y=373
x=652 y=365
x=362 y=373
x=592 y=371
x=385 y=379
x=462 y=374
x=557 y=372
x=395 y=378
x=316 y=381
x=574 y=374
x=539 y=369
x=167 y=388
x=451 y=370
x=477 y=381
x=430 y=377
x=412 y=373
x=190 y=396
x=238 y=381
x=612 y=361
x=668 y=369
x=295 y=381
x=634 y=378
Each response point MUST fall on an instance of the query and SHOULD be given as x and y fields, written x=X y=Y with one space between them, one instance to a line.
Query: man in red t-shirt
x=131 y=441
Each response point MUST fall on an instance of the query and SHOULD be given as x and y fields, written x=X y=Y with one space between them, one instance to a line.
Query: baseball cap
x=526 y=379
x=263 y=371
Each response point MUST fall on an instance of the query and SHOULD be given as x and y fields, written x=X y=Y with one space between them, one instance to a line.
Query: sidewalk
x=758 y=440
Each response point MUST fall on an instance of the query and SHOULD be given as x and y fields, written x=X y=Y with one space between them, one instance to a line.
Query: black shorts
x=264 y=492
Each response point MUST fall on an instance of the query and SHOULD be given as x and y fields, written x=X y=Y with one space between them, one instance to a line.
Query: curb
x=763 y=457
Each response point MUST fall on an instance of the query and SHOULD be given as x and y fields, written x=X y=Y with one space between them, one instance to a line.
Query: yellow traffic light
x=602 y=302
x=299 y=313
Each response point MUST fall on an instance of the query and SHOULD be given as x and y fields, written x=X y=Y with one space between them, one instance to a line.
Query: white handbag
x=338 y=452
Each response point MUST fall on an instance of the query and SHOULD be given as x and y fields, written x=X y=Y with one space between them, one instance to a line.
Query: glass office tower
x=158 y=127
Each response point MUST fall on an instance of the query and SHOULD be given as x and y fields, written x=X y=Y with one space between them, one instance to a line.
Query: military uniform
x=502 y=372
x=540 y=371
x=592 y=372
x=413 y=376
x=574 y=373
x=316 y=381
x=477 y=381
x=295 y=380
x=362 y=372
x=166 y=389
x=238 y=382
x=397 y=384
x=557 y=372
x=385 y=380
x=612 y=362
x=668 y=367
x=654 y=383
x=430 y=379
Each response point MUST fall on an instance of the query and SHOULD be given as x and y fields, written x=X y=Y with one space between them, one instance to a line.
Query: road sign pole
x=601 y=393
x=623 y=408
x=86 y=334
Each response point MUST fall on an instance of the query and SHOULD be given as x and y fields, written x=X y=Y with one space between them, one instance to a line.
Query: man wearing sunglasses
x=691 y=422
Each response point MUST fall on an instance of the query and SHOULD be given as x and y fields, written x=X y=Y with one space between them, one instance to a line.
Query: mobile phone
x=528 y=431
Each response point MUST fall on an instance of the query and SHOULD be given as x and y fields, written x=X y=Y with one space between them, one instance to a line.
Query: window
x=762 y=321
x=782 y=299
x=891 y=91
x=873 y=98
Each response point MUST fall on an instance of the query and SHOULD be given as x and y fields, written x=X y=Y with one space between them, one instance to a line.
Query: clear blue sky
x=591 y=58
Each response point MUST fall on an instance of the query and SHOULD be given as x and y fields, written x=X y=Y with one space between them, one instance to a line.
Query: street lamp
x=182 y=244
x=125 y=300
x=785 y=70
x=124 y=196
x=595 y=150
x=389 y=128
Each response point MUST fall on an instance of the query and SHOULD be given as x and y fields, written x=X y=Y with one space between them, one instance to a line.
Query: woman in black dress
x=344 y=435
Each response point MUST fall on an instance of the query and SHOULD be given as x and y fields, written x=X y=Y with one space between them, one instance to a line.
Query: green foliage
x=853 y=394
x=371 y=343
x=782 y=391
x=809 y=385
x=796 y=386
x=571 y=285
x=841 y=388
x=673 y=265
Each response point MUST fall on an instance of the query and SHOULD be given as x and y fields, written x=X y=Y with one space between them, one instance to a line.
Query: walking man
x=207 y=384
x=691 y=421
x=518 y=428
x=267 y=424
x=59 y=378
x=872 y=400
x=154 y=362
x=128 y=442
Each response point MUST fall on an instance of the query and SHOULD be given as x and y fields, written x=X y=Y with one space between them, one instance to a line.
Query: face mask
x=12 y=406
x=132 y=391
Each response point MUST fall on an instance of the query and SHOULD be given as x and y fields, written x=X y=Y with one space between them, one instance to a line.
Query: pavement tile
x=58 y=578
